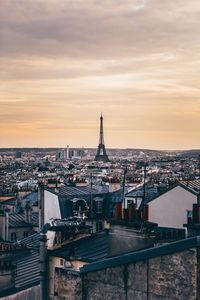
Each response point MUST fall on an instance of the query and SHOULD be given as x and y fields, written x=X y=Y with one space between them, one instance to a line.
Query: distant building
x=16 y=226
x=137 y=194
x=18 y=154
x=19 y=216
x=58 y=203
x=172 y=208
x=70 y=153
x=101 y=151
x=20 y=269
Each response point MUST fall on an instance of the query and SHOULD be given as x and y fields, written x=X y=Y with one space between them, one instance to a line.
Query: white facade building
x=171 y=209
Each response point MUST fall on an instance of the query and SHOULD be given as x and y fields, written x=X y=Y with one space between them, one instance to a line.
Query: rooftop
x=82 y=190
x=142 y=254
x=6 y=198
x=17 y=220
x=28 y=269
x=92 y=248
x=192 y=185
x=27 y=266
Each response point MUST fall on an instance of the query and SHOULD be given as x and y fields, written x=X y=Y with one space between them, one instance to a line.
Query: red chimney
x=118 y=214
x=196 y=213
x=132 y=212
x=146 y=212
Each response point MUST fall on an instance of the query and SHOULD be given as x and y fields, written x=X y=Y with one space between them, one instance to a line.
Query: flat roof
x=142 y=255
x=5 y=198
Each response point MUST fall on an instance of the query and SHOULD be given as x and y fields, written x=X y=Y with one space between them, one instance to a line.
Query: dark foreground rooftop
x=142 y=254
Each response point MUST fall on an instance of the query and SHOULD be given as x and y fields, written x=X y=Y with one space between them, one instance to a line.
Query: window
x=99 y=226
x=26 y=234
x=62 y=262
x=189 y=216
x=99 y=206
x=13 y=236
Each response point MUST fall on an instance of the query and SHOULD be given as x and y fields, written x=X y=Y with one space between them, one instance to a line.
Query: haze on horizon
x=64 y=62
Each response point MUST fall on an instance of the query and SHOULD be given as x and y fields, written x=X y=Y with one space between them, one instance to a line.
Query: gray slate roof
x=17 y=220
x=82 y=190
x=192 y=185
x=35 y=218
x=28 y=269
x=138 y=192
x=32 y=240
x=92 y=248
x=28 y=265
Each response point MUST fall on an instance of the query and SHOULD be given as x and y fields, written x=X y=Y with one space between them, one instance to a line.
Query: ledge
x=133 y=257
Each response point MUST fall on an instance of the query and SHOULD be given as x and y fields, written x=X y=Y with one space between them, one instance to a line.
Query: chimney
x=126 y=214
x=145 y=215
x=196 y=213
x=43 y=262
x=132 y=212
x=4 y=225
x=118 y=214
x=7 y=272
x=41 y=204
x=28 y=213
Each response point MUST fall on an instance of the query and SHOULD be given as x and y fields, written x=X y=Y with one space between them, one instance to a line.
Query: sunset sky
x=63 y=62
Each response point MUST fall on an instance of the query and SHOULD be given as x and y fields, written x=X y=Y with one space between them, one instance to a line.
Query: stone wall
x=198 y=273
x=173 y=276
x=168 y=277
x=67 y=285
x=109 y=283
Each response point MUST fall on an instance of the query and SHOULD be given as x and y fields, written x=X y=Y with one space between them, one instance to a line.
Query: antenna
x=124 y=182
x=199 y=166
x=145 y=176
x=91 y=199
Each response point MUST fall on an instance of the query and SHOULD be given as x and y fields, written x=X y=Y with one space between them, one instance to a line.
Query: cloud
x=91 y=29
x=63 y=62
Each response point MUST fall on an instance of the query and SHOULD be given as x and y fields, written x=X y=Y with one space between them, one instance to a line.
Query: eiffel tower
x=101 y=152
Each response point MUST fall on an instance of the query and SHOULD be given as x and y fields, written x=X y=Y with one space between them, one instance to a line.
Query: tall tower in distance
x=101 y=151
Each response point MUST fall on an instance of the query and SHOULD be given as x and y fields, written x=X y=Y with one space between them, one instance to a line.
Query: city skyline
x=64 y=62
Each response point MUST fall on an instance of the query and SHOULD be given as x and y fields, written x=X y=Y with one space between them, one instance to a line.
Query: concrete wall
x=169 y=277
x=170 y=209
x=32 y=293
